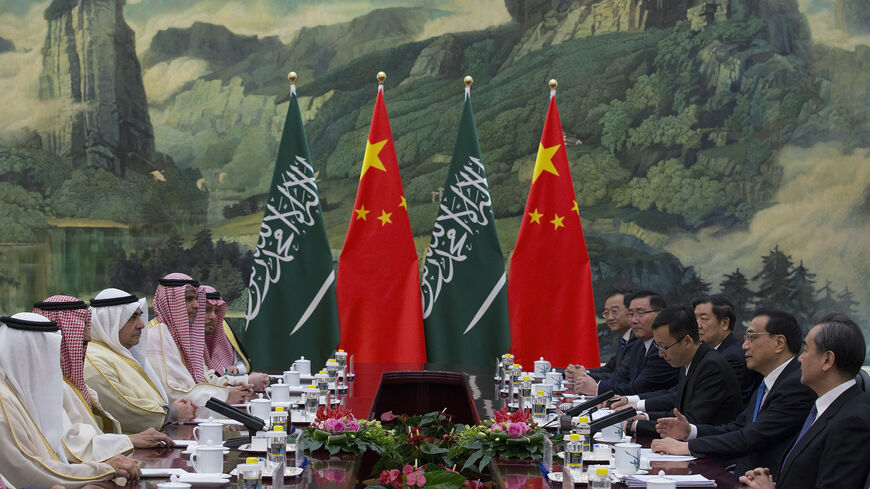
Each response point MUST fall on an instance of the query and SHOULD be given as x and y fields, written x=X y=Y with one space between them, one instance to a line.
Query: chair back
x=418 y=392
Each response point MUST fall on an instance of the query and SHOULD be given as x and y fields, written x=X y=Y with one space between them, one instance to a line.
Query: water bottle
x=600 y=479
x=249 y=474
x=526 y=390
x=539 y=406
x=574 y=452
x=585 y=433
x=277 y=445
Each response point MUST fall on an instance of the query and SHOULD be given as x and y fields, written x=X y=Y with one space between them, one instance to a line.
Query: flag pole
x=292 y=77
x=468 y=81
x=553 y=85
x=381 y=77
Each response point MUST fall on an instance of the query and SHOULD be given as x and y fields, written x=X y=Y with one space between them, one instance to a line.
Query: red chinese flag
x=379 y=302
x=552 y=313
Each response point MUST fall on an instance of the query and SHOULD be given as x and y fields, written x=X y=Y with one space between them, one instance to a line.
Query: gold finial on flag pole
x=292 y=77
x=468 y=81
x=381 y=77
x=553 y=84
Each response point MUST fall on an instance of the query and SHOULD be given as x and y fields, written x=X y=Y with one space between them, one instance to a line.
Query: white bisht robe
x=31 y=410
x=168 y=362
x=26 y=458
x=124 y=389
x=84 y=437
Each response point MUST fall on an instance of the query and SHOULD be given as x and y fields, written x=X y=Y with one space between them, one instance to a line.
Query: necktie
x=762 y=389
x=622 y=343
x=809 y=422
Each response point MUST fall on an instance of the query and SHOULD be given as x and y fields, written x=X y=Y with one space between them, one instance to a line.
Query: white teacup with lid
x=209 y=460
x=173 y=483
x=302 y=366
x=661 y=482
x=260 y=408
x=209 y=433
x=279 y=392
x=541 y=367
x=292 y=377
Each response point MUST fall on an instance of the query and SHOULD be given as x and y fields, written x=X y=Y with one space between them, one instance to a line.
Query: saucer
x=625 y=439
x=247 y=448
x=288 y=472
x=204 y=479
x=189 y=450
x=622 y=476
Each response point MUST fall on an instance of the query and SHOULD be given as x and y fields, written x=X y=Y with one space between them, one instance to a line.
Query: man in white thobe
x=176 y=344
x=117 y=368
x=92 y=433
x=31 y=398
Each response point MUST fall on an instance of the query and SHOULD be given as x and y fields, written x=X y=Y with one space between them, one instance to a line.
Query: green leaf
x=518 y=441
x=473 y=458
x=337 y=439
x=321 y=435
x=430 y=449
x=333 y=449
x=443 y=479
x=485 y=461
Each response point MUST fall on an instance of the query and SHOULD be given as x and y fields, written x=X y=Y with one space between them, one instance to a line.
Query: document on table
x=663 y=457
x=695 y=480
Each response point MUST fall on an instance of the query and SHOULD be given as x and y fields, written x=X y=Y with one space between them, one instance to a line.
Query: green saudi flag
x=291 y=297
x=465 y=311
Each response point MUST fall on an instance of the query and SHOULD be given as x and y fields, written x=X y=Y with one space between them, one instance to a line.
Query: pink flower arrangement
x=518 y=429
x=335 y=421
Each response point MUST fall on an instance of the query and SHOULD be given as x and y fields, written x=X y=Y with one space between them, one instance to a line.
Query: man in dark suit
x=707 y=391
x=645 y=370
x=831 y=449
x=716 y=320
x=775 y=413
x=615 y=314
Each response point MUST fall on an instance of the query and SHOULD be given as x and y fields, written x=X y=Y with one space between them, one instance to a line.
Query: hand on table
x=186 y=408
x=573 y=372
x=585 y=385
x=239 y=393
x=758 y=478
x=259 y=380
x=670 y=446
x=124 y=467
x=150 y=438
x=621 y=403
x=676 y=427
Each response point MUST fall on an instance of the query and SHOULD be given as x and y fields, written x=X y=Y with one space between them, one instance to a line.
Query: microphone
x=252 y=423
x=617 y=417
x=576 y=409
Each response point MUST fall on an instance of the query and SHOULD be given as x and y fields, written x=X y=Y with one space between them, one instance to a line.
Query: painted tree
x=801 y=294
x=736 y=288
x=827 y=299
x=774 y=275
x=847 y=302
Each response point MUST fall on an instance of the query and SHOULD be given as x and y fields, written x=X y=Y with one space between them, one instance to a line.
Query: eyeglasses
x=637 y=314
x=611 y=312
x=665 y=348
x=752 y=335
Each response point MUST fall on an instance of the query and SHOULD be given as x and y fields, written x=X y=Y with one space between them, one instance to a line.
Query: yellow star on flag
x=371 y=160
x=544 y=161
x=403 y=203
x=557 y=221
x=385 y=217
x=534 y=216
x=361 y=212
x=575 y=208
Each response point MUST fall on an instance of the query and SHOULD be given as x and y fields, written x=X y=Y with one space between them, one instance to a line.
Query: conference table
x=340 y=471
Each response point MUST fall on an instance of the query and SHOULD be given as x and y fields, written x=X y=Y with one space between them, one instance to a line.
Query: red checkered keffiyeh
x=72 y=317
x=169 y=307
x=218 y=350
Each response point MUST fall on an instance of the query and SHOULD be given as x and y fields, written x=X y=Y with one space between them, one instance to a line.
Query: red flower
x=388 y=416
x=503 y=415
x=392 y=478
x=340 y=412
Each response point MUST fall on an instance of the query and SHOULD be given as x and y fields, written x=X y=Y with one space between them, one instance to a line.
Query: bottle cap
x=252 y=460
x=279 y=409
x=526 y=377
x=601 y=471
x=540 y=393
x=574 y=437
x=278 y=428
x=584 y=419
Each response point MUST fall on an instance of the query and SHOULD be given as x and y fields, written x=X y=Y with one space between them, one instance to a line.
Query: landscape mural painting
x=715 y=145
